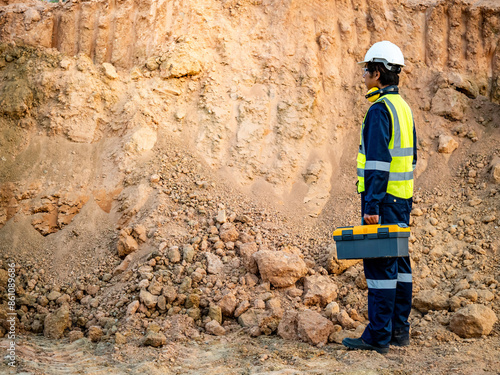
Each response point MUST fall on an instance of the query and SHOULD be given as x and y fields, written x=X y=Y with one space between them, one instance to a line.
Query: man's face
x=371 y=79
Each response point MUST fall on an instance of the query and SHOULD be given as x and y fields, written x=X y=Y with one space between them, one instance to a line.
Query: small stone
x=95 y=333
x=110 y=71
x=120 y=339
x=416 y=212
x=242 y=307
x=154 y=339
x=75 y=335
x=488 y=219
x=214 y=328
x=174 y=255
x=447 y=144
x=148 y=299
x=215 y=313
x=214 y=264
x=188 y=253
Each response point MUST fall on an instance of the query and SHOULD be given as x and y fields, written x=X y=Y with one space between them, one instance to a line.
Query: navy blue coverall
x=389 y=279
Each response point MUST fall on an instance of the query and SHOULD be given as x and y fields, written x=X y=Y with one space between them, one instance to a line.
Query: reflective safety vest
x=400 y=147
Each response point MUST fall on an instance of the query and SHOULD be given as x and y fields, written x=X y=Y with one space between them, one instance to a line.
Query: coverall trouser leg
x=389 y=283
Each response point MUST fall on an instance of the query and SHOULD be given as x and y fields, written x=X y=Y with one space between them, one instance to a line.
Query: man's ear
x=376 y=75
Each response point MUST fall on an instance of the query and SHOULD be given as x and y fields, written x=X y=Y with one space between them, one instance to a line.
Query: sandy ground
x=240 y=354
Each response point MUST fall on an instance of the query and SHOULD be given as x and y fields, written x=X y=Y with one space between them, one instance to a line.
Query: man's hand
x=371 y=219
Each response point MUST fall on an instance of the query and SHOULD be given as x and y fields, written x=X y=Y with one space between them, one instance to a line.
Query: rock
x=345 y=320
x=488 y=219
x=139 y=233
x=214 y=264
x=132 y=307
x=473 y=321
x=221 y=217
x=215 y=313
x=141 y=141
x=122 y=267
x=126 y=244
x=214 y=328
x=449 y=103
x=228 y=232
x=447 y=144
x=319 y=290
x=416 y=212
x=228 y=304
x=495 y=169
x=162 y=303
x=242 y=307
x=155 y=339
x=110 y=71
x=148 y=299
x=184 y=60
x=332 y=309
x=174 y=255
x=155 y=287
x=313 y=327
x=339 y=334
x=188 y=253
x=95 y=333
x=287 y=328
x=337 y=266
x=246 y=253
x=31 y=15
x=170 y=293
x=75 y=335
x=120 y=339
x=430 y=300
x=251 y=318
x=152 y=64
x=52 y=296
x=280 y=268
x=56 y=322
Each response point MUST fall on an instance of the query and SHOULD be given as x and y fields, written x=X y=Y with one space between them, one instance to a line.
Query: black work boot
x=400 y=339
x=360 y=344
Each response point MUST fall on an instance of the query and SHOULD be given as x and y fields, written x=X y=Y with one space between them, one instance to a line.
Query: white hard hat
x=385 y=52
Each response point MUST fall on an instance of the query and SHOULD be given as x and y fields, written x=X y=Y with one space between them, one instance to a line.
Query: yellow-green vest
x=400 y=146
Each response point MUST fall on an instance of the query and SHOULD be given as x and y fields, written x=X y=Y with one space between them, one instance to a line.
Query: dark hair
x=386 y=76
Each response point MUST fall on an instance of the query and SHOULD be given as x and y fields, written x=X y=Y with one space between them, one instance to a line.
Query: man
x=386 y=160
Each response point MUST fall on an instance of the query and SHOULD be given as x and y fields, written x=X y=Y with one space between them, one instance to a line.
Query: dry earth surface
x=171 y=173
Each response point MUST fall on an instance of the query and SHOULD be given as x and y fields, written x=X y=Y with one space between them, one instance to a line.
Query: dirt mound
x=157 y=161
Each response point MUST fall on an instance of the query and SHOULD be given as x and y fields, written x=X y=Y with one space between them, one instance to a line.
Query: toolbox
x=372 y=241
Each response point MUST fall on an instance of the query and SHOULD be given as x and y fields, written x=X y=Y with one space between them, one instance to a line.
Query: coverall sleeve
x=376 y=137
x=414 y=146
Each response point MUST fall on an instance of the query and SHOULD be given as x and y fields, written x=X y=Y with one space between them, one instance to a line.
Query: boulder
x=57 y=322
x=430 y=300
x=280 y=268
x=473 y=321
x=287 y=328
x=319 y=290
x=313 y=328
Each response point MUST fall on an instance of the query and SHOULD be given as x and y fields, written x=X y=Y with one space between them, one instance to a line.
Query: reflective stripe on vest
x=400 y=147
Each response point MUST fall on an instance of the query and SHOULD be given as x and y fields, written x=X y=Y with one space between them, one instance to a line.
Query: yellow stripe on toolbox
x=368 y=229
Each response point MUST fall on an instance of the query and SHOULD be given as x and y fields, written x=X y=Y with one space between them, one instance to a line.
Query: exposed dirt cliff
x=149 y=148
